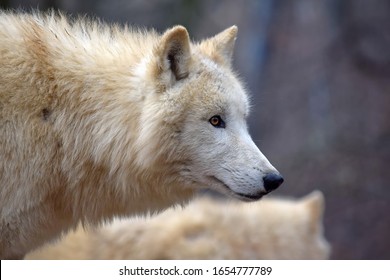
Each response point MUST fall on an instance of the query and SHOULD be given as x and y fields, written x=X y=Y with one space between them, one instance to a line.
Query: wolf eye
x=217 y=121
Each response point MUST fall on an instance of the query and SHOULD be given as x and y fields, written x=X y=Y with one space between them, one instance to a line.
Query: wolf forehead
x=213 y=89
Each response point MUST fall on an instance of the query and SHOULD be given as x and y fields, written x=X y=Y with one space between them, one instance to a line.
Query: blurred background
x=319 y=75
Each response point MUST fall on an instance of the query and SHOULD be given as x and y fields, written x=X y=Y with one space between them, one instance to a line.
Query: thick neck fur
x=80 y=95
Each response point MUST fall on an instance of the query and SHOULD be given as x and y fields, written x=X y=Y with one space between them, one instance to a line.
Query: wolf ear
x=221 y=47
x=174 y=54
x=315 y=203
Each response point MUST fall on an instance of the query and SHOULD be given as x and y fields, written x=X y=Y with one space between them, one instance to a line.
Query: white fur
x=206 y=229
x=99 y=121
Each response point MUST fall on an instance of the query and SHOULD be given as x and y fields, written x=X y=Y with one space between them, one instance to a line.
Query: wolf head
x=194 y=117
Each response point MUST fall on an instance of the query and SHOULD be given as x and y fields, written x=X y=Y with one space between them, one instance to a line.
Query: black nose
x=272 y=181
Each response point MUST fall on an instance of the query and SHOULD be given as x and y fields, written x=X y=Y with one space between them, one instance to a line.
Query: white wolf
x=99 y=121
x=206 y=229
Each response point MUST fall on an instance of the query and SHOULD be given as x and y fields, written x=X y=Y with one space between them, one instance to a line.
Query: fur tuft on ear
x=315 y=202
x=221 y=47
x=174 y=53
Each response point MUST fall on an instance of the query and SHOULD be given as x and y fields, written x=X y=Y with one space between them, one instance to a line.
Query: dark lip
x=241 y=196
x=246 y=197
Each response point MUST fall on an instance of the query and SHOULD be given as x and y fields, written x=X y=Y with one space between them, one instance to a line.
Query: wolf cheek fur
x=99 y=121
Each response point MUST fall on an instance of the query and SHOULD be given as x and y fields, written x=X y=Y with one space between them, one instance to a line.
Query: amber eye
x=216 y=121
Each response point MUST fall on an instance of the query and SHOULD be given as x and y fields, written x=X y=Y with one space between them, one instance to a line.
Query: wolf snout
x=272 y=181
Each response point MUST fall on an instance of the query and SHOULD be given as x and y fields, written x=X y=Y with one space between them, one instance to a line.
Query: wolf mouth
x=241 y=196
